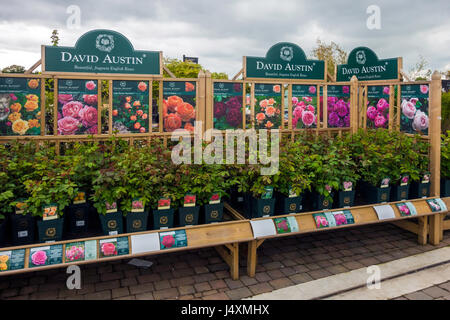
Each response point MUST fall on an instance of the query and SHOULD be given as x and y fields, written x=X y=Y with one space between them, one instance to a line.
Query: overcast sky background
x=221 y=32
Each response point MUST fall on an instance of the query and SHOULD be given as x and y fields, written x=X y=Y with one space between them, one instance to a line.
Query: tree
x=55 y=38
x=332 y=53
x=14 y=69
x=188 y=69
x=420 y=71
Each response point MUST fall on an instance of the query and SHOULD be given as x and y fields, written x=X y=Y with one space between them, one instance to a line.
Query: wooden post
x=435 y=152
x=354 y=114
x=251 y=258
x=209 y=101
x=435 y=132
x=201 y=99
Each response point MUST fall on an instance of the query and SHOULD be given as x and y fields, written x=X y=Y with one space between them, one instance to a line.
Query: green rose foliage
x=445 y=155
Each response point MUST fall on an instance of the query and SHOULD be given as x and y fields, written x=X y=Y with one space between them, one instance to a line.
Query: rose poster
x=304 y=106
x=130 y=106
x=178 y=105
x=20 y=110
x=77 y=107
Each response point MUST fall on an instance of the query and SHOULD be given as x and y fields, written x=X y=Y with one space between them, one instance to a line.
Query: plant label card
x=74 y=251
x=406 y=209
x=426 y=178
x=404 y=180
x=321 y=220
x=113 y=247
x=111 y=207
x=164 y=203
x=384 y=212
x=268 y=193
x=385 y=182
x=215 y=198
x=12 y=260
x=20 y=206
x=437 y=205
x=137 y=205
x=330 y=219
x=348 y=185
x=263 y=228
x=50 y=212
x=173 y=239
x=45 y=256
x=286 y=225
x=80 y=198
x=189 y=200
x=142 y=243
x=343 y=217
x=292 y=193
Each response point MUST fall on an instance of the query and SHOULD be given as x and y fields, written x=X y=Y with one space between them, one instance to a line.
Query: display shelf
x=224 y=236
x=362 y=215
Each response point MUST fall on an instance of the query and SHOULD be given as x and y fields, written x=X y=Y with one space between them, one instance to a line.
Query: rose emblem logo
x=286 y=53
x=360 y=57
x=123 y=84
x=69 y=83
x=9 y=81
x=221 y=85
x=104 y=42
x=172 y=84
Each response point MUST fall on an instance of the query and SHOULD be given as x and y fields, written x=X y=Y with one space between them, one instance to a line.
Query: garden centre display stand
x=224 y=237
x=363 y=215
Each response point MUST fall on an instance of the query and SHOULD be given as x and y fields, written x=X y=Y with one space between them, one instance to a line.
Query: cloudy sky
x=221 y=32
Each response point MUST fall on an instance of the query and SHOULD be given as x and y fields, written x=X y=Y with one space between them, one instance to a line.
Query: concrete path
x=398 y=277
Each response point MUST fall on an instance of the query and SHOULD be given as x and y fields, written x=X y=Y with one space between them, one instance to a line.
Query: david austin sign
x=101 y=51
x=284 y=60
x=365 y=65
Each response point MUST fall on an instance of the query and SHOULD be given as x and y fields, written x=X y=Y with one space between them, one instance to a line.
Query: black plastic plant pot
x=78 y=218
x=50 y=230
x=112 y=223
x=419 y=190
x=188 y=216
x=257 y=208
x=213 y=212
x=237 y=199
x=399 y=193
x=320 y=202
x=345 y=199
x=445 y=187
x=136 y=221
x=3 y=231
x=286 y=205
x=22 y=229
x=163 y=218
x=374 y=194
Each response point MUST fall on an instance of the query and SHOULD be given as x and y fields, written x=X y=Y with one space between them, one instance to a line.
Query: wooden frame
x=363 y=215
x=224 y=237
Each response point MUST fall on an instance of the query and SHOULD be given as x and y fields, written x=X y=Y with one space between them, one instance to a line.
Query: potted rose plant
x=109 y=187
x=7 y=187
x=165 y=192
x=293 y=178
x=214 y=188
x=372 y=152
x=420 y=187
x=50 y=189
x=324 y=165
x=85 y=160
x=404 y=166
x=140 y=175
x=445 y=165
x=346 y=173
x=19 y=169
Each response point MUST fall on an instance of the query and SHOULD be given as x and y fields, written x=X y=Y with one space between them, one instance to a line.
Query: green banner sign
x=101 y=51
x=284 y=60
x=365 y=65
